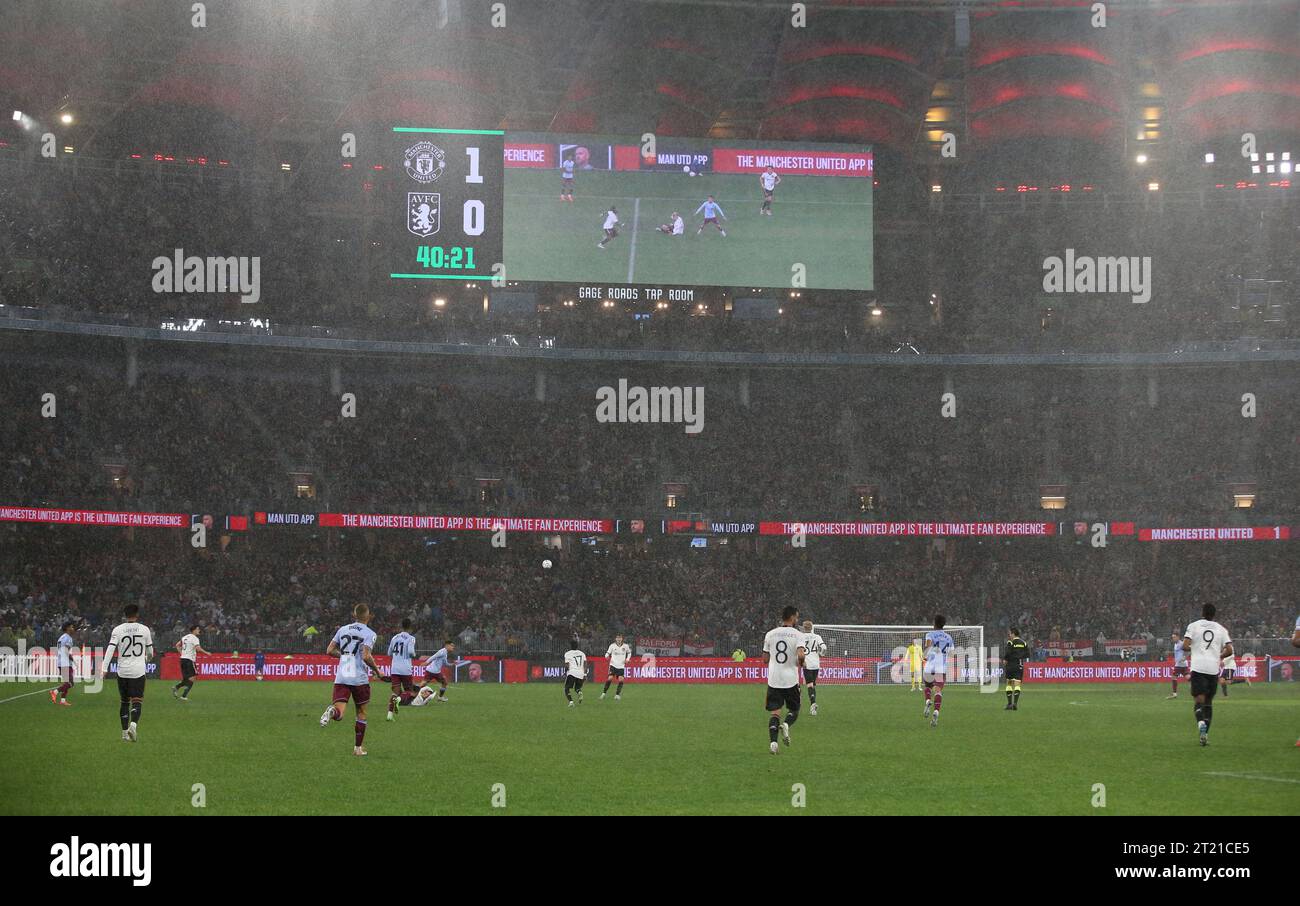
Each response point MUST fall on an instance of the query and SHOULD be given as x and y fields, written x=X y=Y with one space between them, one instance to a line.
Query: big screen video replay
x=601 y=210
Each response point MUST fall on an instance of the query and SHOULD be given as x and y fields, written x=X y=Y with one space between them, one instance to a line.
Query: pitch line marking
x=631 y=258
x=1244 y=776
x=26 y=694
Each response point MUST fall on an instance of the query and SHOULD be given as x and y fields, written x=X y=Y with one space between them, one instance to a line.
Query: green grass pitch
x=258 y=749
x=821 y=222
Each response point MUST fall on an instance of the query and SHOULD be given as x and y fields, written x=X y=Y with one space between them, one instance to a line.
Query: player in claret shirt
x=1209 y=644
x=353 y=645
x=132 y=645
x=59 y=696
x=937 y=645
x=785 y=651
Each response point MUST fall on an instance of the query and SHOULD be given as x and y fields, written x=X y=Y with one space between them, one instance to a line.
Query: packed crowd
x=292 y=597
x=209 y=436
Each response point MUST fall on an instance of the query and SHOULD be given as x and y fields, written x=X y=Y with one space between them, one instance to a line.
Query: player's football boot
x=325 y=718
x=618 y=698
x=132 y=732
x=785 y=732
x=934 y=719
x=65 y=703
x=602 y=696
x=126 y=738
x=54 y=696
x=571 y=704
x=1205 y=732
x=358 y=750
x=813 y=710
x=926 y=712
x=1171 y=695
x=773 y=748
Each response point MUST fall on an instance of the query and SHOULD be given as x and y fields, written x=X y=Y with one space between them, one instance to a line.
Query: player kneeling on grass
x=618 y=653
x=1209 y=644
x=1013 y=666
x=674 y=227
x=814 y=648
x=577 y=675
x=785 y=651
x=935 y=673
x=353 y=645
x=401 y=648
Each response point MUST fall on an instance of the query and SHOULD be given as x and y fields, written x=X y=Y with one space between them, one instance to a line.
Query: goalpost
x=878 y=654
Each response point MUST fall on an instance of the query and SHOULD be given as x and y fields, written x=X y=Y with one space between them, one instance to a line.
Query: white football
x=546 y=564
x=686 y=169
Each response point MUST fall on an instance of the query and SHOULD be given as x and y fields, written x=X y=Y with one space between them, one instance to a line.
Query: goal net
x=878 y=654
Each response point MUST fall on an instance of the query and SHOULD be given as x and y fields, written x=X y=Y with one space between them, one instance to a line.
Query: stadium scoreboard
x=450 y=225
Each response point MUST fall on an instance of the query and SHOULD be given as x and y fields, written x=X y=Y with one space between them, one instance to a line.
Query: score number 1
x=473 y=218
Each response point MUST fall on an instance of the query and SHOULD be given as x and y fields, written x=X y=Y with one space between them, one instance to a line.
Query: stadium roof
x=275 y=79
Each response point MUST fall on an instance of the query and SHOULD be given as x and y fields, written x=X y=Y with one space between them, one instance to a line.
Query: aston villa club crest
x=425 y=162
x=422 y=212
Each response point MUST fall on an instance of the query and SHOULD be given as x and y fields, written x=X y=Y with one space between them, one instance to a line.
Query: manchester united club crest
x=425 y=162
x=422 y=212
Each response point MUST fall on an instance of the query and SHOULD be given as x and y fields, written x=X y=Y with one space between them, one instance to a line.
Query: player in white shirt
x=59 y=696
x=1181 y=667
x=674 y=227
x=619 y=653
x=576 y=661
x=935 y=672
x=353 y=645
x=815 y=647
x=189 y=649
x=132 y=645
x=611 y=227
x=769 y=179
x=566 y=180
x=784 y=647
x=1209 y=644
x=435 y=666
